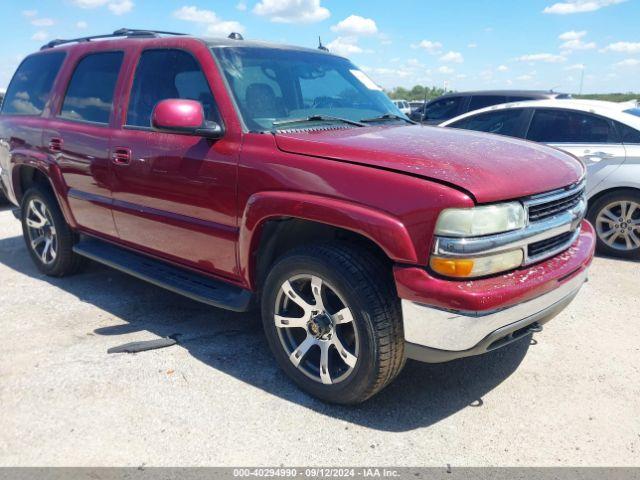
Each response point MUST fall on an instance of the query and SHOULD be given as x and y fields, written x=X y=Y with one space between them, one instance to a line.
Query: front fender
x=388 y=232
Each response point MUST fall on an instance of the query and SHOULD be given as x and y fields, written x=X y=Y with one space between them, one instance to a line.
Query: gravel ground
x=570 y=397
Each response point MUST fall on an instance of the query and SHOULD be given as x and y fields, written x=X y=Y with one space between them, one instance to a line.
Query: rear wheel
x=48 y=238
x=616 y=218
x=332 y=320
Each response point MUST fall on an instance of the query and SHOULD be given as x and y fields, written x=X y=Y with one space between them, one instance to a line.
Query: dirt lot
x=571 y=397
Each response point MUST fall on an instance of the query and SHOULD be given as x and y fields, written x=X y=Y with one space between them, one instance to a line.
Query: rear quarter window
x=31 y=85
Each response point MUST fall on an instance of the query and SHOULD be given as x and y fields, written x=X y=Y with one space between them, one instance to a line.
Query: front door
x=175 y=195
x=589 y=137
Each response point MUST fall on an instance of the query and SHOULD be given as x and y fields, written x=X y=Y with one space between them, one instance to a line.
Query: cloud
x=629 y=62
x=579 y=6
x=623 y=47
x=40 y=36
x=29 y=13
x=214 y=24
x=433 y=48
x=524 y=78
x=117 y=7
x=452 y=57
x=42 y=22
x=472 y=45
x=573 y=41
x=446 y=70
x=82 y=25
x=576 y=66
x=502 y=68
x=241 y=6
x=542 y=57
x=292 y=11
x=345 y=46
x=356 y=25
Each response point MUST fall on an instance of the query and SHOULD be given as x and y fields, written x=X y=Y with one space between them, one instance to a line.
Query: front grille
x=548 y=245
x=540 y=211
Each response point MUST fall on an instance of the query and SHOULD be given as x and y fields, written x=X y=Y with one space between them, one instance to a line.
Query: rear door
x=78 y=135
x=175 y=195
x=590 y=137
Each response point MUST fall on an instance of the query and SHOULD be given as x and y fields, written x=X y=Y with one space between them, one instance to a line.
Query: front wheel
x=616 y=218
x=333 y=322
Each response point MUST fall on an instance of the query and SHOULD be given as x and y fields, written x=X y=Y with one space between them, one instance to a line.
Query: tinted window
x=628 y=134
x=503 y=122
x=30 y=87
x=443 y=109
x=634 y=111
x=163 y=74
x=565 y=126
x=520 y=99
x=482 y=101
x=90 y=93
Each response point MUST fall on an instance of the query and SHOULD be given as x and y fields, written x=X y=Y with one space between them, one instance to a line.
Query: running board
x=193 y=285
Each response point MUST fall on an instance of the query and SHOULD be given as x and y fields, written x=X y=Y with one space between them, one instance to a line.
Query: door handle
x=121 y=156
x=55 y=145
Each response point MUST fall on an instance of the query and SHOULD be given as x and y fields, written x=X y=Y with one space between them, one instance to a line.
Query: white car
x=604 y=135
x=403 y=106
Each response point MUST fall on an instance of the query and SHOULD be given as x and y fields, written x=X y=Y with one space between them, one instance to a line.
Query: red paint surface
x=177 y=113
x=203 y=204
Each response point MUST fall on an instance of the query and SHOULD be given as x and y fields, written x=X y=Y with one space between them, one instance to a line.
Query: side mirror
x=185 y=117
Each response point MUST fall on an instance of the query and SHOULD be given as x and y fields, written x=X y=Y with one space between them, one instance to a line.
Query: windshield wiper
x=317 y=118
x=385 y=117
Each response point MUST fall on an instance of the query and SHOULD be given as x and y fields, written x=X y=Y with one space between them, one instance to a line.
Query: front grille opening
x=549 y=209
x=539 y=248
x=516 y=335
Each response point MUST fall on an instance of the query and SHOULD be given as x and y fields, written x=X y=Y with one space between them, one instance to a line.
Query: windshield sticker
x=366 y=81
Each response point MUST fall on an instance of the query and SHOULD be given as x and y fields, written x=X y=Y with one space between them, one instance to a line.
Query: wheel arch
x=619 y=188
x=275 y=222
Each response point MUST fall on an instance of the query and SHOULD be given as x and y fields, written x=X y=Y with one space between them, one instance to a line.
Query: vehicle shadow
x=234 y=344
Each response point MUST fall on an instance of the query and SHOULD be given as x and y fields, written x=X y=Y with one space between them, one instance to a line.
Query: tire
x=60 y=259
x=362 y=333
x=614 y=237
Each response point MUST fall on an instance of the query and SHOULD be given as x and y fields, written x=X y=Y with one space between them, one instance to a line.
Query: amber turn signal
x=452 y=267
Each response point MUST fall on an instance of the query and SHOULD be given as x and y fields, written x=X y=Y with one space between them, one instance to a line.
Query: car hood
x=489 y=167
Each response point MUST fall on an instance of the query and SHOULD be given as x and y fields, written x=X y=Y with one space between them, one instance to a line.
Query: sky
x=458 y=44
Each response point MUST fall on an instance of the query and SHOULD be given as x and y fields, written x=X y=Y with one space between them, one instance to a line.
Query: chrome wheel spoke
x=632 y=210
x=291 y=322
x=623 y=209
x=35 y=224
x=343 y=316
x=297 y=299
x=635 y=240
x=325 y=376
x=298 y=354
x=316 y=289
x=609 y=215
x=45 y=251
x=37 y=241
x=346 y=356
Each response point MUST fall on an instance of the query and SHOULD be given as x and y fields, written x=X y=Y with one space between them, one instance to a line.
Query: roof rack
x=123 y=32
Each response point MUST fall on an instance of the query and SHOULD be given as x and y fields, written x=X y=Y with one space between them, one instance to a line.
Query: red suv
x=244 y=174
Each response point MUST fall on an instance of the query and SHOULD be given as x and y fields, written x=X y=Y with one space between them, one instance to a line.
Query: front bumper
x=436 y=333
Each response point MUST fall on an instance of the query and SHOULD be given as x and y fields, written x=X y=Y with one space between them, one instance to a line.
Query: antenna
x=320 y=46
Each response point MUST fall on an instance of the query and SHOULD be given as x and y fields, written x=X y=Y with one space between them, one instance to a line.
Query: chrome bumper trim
x=457 y=331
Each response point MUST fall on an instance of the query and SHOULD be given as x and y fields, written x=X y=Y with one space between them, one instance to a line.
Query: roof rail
x=123 y=32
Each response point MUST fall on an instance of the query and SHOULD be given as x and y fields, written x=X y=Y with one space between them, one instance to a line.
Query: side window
x=443 y=109
x=502 y=122
x=163 y=74
x=566 y=126
x=628 y=134
x=31 y=85
x=89 y=96
x=482 y=101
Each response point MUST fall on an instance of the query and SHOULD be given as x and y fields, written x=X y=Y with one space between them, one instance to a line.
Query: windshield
x=634 y=111
x=271 y=86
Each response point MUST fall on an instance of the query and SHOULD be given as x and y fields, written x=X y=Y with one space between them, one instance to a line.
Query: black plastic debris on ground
x=135 y=347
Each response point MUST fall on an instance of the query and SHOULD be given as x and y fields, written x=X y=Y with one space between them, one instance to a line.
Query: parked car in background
x=248 y=175
x=403 y=106
x=416 y=104
x=605 y=135
x=451 y=105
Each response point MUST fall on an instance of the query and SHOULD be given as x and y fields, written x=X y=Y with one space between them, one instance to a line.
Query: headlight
x=484 y=220
x=478 y=266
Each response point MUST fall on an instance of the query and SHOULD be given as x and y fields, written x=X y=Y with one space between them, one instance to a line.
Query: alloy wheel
x=42 y=234
x=618 y=225
x=317 y=329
